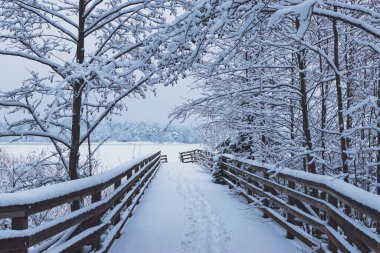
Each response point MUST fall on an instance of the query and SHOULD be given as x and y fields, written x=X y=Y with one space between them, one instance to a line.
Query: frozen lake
x=110 y=154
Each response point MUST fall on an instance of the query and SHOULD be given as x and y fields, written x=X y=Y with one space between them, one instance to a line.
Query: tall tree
x=98 y=52
x=339 y=95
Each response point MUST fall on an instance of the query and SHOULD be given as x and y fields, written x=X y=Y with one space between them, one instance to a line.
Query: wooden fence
x=111 y=196
x=188 y=156
x=197 y=155
x=326 y=214
x=164 y=158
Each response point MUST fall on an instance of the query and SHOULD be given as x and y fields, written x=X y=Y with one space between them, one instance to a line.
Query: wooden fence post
x=333 y=201
x=238 y=174
x=250 y=181
x=97 y=196
x=290 y=217
x=117 y=201
x=21 y=223
x=223 y=168
x=266 y=189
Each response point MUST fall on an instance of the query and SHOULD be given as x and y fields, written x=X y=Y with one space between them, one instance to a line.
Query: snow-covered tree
x=97 y=52
x=301 y=79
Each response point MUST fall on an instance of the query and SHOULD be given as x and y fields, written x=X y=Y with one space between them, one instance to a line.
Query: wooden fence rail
x=197 y=155
x=188 y=156
x=164 y=158
x=112 y=197
x=311 y=207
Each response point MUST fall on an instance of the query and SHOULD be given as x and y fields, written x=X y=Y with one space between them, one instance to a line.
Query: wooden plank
x=290 y=217
x=21 y=223
x=332 y=223
x=15 y=244
x=76 y=244
x=13 y=214
x=266 y=200
x=117 y=201
x=96 y=219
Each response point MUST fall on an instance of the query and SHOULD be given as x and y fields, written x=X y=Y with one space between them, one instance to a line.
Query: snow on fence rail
x=324 y=212
x=71 y=232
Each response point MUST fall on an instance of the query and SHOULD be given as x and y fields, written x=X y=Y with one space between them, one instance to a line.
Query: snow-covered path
x=182 y=211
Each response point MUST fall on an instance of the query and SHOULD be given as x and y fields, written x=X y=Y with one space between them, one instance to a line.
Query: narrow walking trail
x=183 y=211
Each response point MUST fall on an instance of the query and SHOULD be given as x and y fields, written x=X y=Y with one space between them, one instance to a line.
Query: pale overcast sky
x=152 y=109
x=157 y=108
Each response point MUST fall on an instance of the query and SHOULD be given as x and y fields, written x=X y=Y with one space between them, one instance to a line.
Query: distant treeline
x=143 y=131
x=128 y=132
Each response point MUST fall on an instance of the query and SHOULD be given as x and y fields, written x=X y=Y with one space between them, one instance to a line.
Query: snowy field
x=110 y=154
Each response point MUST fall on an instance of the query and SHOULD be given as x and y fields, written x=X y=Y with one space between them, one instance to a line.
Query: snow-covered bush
x=19 y=172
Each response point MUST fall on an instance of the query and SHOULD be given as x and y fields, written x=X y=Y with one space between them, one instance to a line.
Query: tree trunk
x=378 y=143
x=323 y=117
x=339 y=95
x=77 y=105
x=324 y=92
x=349 y=62
x=292 y=116
x=310 y=163
x=90 y=167
x=292 y=122
x=304 y=107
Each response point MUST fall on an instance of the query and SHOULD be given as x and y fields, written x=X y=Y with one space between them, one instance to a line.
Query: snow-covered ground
x=182 y=211
x=111 y=154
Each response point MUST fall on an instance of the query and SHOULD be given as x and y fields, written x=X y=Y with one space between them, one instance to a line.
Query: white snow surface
x=183 y=211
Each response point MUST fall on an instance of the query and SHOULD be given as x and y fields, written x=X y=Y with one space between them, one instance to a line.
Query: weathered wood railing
x=197 y=155
x=188 y=156
x=164 y=158
x=310 y=207
x=112 y=197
